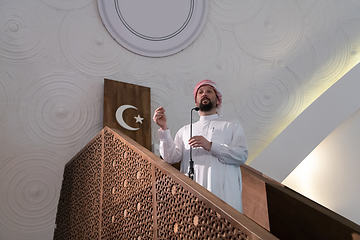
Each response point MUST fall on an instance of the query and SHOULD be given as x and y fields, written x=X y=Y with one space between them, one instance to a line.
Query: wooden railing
x=116 y=189
x=291 y=215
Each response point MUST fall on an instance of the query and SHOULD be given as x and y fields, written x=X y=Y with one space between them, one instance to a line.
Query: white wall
x=331 y=177
x=271 y=58
x=322 y=173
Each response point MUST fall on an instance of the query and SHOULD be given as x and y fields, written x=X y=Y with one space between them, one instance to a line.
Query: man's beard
x=206 y=107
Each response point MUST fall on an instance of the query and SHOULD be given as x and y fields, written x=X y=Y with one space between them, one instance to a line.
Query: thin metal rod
x=191 y=168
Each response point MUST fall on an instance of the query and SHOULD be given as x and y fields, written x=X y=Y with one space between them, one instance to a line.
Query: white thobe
x=218 y=169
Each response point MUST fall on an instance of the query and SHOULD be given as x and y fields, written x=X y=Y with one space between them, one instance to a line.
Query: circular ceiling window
x=154 y=28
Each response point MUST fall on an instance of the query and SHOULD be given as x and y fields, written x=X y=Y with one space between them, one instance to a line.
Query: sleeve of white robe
x=170 y=149
x=234 y=153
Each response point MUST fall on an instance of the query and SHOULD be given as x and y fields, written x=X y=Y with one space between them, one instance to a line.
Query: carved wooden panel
x=127 y=192
x=116 y=189
x=79 y=207
x=135 y=119
x=181 y=215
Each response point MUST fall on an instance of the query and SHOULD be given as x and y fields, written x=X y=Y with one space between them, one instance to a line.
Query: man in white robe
x=219 y=147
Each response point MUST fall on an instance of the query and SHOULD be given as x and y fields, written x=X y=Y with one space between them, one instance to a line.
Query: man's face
x=206 y=98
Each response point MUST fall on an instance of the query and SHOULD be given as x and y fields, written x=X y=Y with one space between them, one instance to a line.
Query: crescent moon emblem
x=120 y=119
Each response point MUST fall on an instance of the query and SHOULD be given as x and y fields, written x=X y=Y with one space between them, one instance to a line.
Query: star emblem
x=139 y=119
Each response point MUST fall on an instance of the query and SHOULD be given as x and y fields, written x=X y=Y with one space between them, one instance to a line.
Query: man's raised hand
x=160 y=118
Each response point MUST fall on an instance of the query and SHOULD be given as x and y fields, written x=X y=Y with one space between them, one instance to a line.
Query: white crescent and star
x=120 y=119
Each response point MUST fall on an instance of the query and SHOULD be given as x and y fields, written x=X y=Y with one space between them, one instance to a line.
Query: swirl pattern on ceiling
x=354 y=40
x=237 y=12
x=92 y=52
x=320 y=22
x=233 y=65
x=270 y=103
x=6 y=97
x=276 y=30
x=67 y=4
x=55 y=110
x=23 y=35
x=188 y=61
x=331 y=67
x=31 y=186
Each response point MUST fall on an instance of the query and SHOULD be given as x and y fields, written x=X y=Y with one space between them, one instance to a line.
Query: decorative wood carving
x=116 y=189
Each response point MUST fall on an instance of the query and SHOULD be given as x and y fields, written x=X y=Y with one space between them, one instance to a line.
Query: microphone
x=191 y=168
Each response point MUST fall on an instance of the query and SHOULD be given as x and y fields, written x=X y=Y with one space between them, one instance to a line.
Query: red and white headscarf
x=215 y=87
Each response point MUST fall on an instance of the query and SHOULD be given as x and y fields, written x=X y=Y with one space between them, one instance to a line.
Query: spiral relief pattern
x=231 y=12
x=177 y=99
x=270 y=102
x=276 y=30
x=320 y=23
x=25 y=33
x=232 y=64
x=349 y=14
x=307 y=6
x=188 y=62
x=354 y=38
x=92 y=52
x=30 y=184
x=6 y=97
x=303 y=58
x=333 y=58
x=56 y=110
x=67 y=4
x=140 y=67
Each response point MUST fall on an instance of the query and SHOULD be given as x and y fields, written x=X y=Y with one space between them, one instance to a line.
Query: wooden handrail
x=115 y=188
x=294 y=216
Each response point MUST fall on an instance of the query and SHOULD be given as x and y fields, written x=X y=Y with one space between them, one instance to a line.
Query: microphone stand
x=191 y=168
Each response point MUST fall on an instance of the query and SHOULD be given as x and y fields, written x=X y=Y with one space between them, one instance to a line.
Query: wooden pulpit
x=114 y=188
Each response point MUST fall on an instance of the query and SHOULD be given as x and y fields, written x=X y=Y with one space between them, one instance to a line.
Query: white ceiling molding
x=154 y=28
